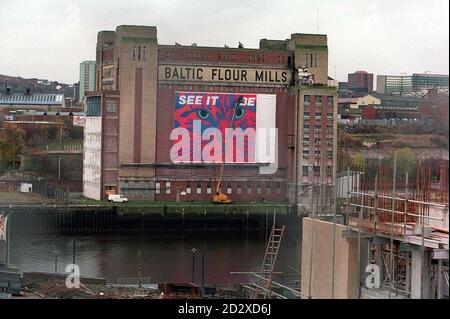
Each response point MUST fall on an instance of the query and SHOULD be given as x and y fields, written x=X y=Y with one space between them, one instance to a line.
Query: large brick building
x=142 y=88
x=360 y=81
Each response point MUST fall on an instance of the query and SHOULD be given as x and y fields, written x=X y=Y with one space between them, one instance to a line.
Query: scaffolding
x=403 y=217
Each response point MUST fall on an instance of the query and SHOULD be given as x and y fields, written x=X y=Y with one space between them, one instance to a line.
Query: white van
x=117 y=199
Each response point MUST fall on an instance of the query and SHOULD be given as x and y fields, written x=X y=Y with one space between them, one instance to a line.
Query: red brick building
x=130 y=118
x=360 y=81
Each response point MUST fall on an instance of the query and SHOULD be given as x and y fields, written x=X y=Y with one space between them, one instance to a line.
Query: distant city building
x=87 y=78
x=427 y=81
x=388 y=100
x=76 y=91
x=380 y=112
x=360 y=81
x=343 y=86
x=390 y=84
x=406 y=84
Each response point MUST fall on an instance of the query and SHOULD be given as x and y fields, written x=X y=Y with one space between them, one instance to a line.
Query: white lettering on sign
x=224 y=74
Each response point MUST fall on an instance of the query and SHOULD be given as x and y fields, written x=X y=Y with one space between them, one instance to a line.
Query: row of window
x=230 y=57
x=306 y=170
x=239 y=188
x=311 y=60
x=138 y=53
x=318 y=140
x=223 y=88
x=307 y=100
x=306 y=126
x=318 y=114
x=328 y=154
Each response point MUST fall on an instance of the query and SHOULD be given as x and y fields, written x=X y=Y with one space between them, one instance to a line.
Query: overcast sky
x=48 y=38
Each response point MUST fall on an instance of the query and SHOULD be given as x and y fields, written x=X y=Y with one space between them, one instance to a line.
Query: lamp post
x=193 y=250
x=56 y=260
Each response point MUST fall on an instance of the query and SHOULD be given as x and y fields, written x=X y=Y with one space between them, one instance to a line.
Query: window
x=311 y=61
x=315 y=60
x=144 y=54
x=305 y=170
x=139 y=53
x=306 y=126
x=307 y=99
x=306 y=60
x=306 y=115
x=329 y=115
x=316 y=170
x=249 y=188
x=229 y=189
x=306 y=139
x=134 y=53
x=111 y=107
x=188 y=188
x=208 y=188
x=278 y=187
x=329 y=154
x=239 y=188
x=258 y=188
x=329 y=170
x=199 y=188
x=146 y=187
x=330 y=100
x=126 y=185
x=269 y=188
x=318 y=100
x=167 y=187
x=317 y=127
x=318 y=115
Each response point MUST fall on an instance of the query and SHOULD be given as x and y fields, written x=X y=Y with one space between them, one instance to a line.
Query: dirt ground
x=14 y=198
x=54 y=288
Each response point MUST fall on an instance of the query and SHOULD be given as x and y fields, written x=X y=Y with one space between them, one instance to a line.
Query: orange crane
x=219 y=197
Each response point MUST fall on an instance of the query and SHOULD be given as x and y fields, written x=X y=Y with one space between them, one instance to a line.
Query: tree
x=405 y=161
x=359 y=160
x=12 y=143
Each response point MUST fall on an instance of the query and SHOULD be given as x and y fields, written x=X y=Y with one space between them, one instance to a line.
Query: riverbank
x=139 y=217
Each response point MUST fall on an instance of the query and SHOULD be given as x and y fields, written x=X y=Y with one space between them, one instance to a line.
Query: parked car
x=117 y=199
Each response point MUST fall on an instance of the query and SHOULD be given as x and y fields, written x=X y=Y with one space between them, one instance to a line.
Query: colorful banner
x=78 y=120
x=214 y=134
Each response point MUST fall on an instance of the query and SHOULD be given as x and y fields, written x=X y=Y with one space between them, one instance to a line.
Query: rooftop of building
x=360 y=72
x=31 y=98
x=395 y=108
x=225 y=47
x=349 y=111
x=388 y=97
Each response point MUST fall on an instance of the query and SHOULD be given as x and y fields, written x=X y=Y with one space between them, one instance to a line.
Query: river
x=162 y=257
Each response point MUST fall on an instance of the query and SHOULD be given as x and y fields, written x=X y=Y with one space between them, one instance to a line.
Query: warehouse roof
x=32 y=99
x=395 y=108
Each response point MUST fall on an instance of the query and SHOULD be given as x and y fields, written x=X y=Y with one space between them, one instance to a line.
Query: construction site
x=385 y=238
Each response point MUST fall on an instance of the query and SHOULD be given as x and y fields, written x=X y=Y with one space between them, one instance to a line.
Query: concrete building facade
x=404 y=84
x=87 y=78
x=140 y=85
